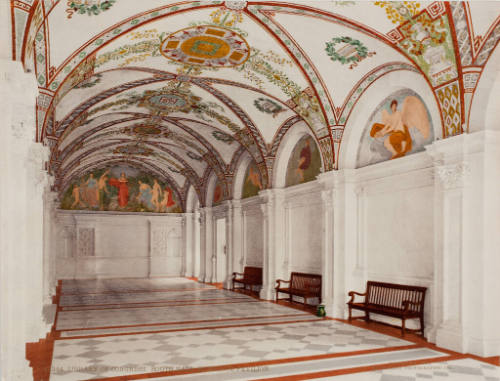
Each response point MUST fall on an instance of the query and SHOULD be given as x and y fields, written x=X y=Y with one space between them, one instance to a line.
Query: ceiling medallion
x=132 y=150
x=144 y=129
x=166 y=102
x=206 y=45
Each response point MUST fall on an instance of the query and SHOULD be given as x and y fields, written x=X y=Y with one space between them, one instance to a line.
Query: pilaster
x=203 y=244
x=237 y=236
x=467 y=207
x=273 y=237
x=327 y=256
x=229 y=244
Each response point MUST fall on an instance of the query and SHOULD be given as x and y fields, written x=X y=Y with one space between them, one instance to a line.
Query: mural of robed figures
x=400 y=125
x=253 y=182
x=304 y=163
x=121 y=188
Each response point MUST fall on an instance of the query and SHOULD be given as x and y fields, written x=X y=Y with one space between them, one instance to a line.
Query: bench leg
x=350 y=314
x=367 y=316
x=403 y=328
x=422 y=326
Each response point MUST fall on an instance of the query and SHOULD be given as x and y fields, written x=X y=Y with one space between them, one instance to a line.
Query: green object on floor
x=320 y=310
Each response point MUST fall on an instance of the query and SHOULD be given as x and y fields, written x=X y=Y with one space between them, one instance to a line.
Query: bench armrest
x=278 y=282
x=407 y=303
x=352 y=293
x=236 y=274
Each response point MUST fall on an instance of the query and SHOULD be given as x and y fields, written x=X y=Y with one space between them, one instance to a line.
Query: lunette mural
x=121 y=188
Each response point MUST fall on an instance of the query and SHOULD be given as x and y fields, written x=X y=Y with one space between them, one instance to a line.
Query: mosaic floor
x=169 y=329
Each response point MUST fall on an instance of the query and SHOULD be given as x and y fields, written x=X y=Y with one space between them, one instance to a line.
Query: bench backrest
x=253 y=274
x=304 y=281
x=393 y=295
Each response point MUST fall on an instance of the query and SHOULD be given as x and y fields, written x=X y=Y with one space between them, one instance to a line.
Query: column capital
x=327 y=196
x=236 y=204
x=452 y=176
x=270 y=195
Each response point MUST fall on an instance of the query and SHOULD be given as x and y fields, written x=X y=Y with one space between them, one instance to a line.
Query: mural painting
x=253 y=181
x=123 y=189
x=304 y=163
x=400 y=125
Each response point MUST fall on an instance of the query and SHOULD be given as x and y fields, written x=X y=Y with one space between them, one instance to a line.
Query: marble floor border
x=139 y=291
x=290 y=360
x=176 y=322
x=160 y=304
x=290 y=370
x=210 y=325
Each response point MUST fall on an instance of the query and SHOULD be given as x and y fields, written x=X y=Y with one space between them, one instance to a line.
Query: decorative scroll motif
x=453 y=176
x=86 y=245
x=449 y=100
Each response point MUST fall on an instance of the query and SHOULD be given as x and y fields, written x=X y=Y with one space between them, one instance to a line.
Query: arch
x=370 y=100
x=212 y=180
x=288 y=143
x=239 y=176
x=486 y=94
x=191 y=200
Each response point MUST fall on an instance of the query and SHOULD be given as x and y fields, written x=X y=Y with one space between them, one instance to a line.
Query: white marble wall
x=22 y=261
x=252 y=232
x=109 y=245
x=303 y=229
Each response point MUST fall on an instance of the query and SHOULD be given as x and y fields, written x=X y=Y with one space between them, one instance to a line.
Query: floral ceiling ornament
x=89 y=7
x=89 y=82
x=351 y=52
x=399 y=11
x=223 y=137
x=194 y=156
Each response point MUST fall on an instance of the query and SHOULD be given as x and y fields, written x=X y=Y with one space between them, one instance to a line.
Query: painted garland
x=361 y=50
x=91 y=9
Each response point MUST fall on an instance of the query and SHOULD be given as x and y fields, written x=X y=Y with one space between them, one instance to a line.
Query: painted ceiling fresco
x=181 y=89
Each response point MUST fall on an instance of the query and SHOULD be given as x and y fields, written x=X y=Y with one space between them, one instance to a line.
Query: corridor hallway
x=176 y=328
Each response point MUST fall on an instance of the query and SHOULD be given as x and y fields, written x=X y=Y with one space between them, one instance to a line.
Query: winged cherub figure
x=395 y=126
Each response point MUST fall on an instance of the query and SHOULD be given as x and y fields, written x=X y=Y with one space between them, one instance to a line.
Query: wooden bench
x=302 y=285
x=394 y=300
x=251 y=276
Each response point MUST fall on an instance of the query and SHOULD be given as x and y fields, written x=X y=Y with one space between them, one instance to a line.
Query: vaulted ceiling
x=183 y=89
